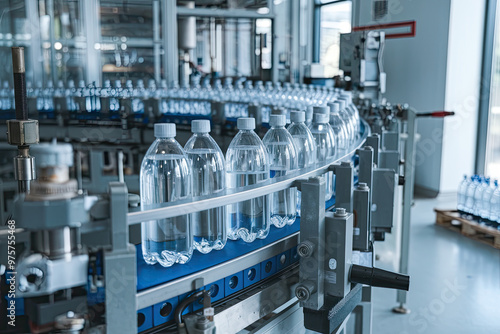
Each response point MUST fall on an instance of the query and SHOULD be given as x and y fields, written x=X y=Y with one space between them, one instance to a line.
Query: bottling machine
x=70 y=255
x=77 y=268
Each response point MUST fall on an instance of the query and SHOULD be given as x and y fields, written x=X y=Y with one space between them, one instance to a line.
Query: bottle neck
x=165 y=138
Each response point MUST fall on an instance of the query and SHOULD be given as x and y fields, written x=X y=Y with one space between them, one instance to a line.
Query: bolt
x=302 y=293
x=362 y=186
x=340 y=212
x=305 y=249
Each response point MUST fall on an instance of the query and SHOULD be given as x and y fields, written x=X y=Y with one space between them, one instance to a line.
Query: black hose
x=185 y=303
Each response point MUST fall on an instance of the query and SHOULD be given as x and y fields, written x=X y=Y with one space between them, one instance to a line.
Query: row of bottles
x=170 y=173
x=479 y=197
x=159 y=100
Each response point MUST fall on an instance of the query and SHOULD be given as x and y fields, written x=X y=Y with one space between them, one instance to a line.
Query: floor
x=455 y=281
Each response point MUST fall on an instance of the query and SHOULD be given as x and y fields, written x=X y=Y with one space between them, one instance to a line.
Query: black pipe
x=19 y=70
x=379 y=278
x=185 y=303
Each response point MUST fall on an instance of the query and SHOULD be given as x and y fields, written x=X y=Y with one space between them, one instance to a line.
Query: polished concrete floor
x=455 y=281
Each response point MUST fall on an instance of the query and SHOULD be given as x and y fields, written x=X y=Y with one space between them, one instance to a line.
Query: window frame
x=485 y=87
x=317 y=25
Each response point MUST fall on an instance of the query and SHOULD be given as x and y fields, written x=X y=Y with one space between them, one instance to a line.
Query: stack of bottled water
x=479 y=198
x=183 y=104
x=170 y=173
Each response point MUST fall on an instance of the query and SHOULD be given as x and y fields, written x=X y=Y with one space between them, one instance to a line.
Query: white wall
x=436 y=70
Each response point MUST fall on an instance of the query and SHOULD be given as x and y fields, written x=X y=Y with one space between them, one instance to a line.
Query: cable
x=185 y=303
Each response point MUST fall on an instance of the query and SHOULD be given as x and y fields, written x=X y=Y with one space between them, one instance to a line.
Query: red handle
x=439 y=114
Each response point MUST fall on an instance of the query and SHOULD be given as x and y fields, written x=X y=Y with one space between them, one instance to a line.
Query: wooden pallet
x=451 y=220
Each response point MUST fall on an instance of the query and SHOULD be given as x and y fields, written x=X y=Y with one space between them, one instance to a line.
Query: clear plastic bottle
x=462 y=194
x=138 y=95
x=304 y=143
x=48 y=99
x=349 y=122
x=471 y=189
x=325 y=146
x=484 y=213
x=247 y=164
x=115 y=100
x=339 y=127
x=5 y=100
x=478 y=197
x=166 y=176
x=494 y=214
x=309 y=115
x=209 y=173
x=282 y=160
x=303 y=139
x=352 y=110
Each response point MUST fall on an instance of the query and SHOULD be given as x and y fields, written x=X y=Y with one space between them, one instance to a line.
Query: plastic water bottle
x=304 y=144
x=462 y=194
x=494 y=214
x=208 y=166
x=325 y=145
x=166 y=176
x=5 y=99
x=339 y=127
x=346 y=117
x=487 y=194
x=309 y=115
x=282 y=160
x=478 y=197
x=469 y=197
x=247 y=164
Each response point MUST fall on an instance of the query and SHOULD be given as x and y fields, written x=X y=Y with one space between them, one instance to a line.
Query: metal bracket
x=120 y=269
x=344 y=181
x=312 y=243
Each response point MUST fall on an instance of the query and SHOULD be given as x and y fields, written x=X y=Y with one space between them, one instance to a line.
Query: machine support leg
x=409 y=173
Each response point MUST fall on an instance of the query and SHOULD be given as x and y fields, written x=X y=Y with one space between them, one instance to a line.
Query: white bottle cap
x=320 y=118
x=200 y=126
x=165 y=130
x=298 y=116
x=246 y=123
x=334 y=107
x=341 y=104
x=277 y=120
x=321 y=110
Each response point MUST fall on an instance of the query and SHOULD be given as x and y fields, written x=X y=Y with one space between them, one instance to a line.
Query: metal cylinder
x=57 y=242
x=18 y=65
x=186 y=29
x=24 y=168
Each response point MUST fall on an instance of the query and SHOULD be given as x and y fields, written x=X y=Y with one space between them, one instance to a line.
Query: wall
x=435 y=70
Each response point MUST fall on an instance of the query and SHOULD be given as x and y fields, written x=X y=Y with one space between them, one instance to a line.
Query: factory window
x=332 y=19
x=492 y=165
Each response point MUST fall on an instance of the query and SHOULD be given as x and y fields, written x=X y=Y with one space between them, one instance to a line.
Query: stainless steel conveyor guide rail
x=184 y=284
